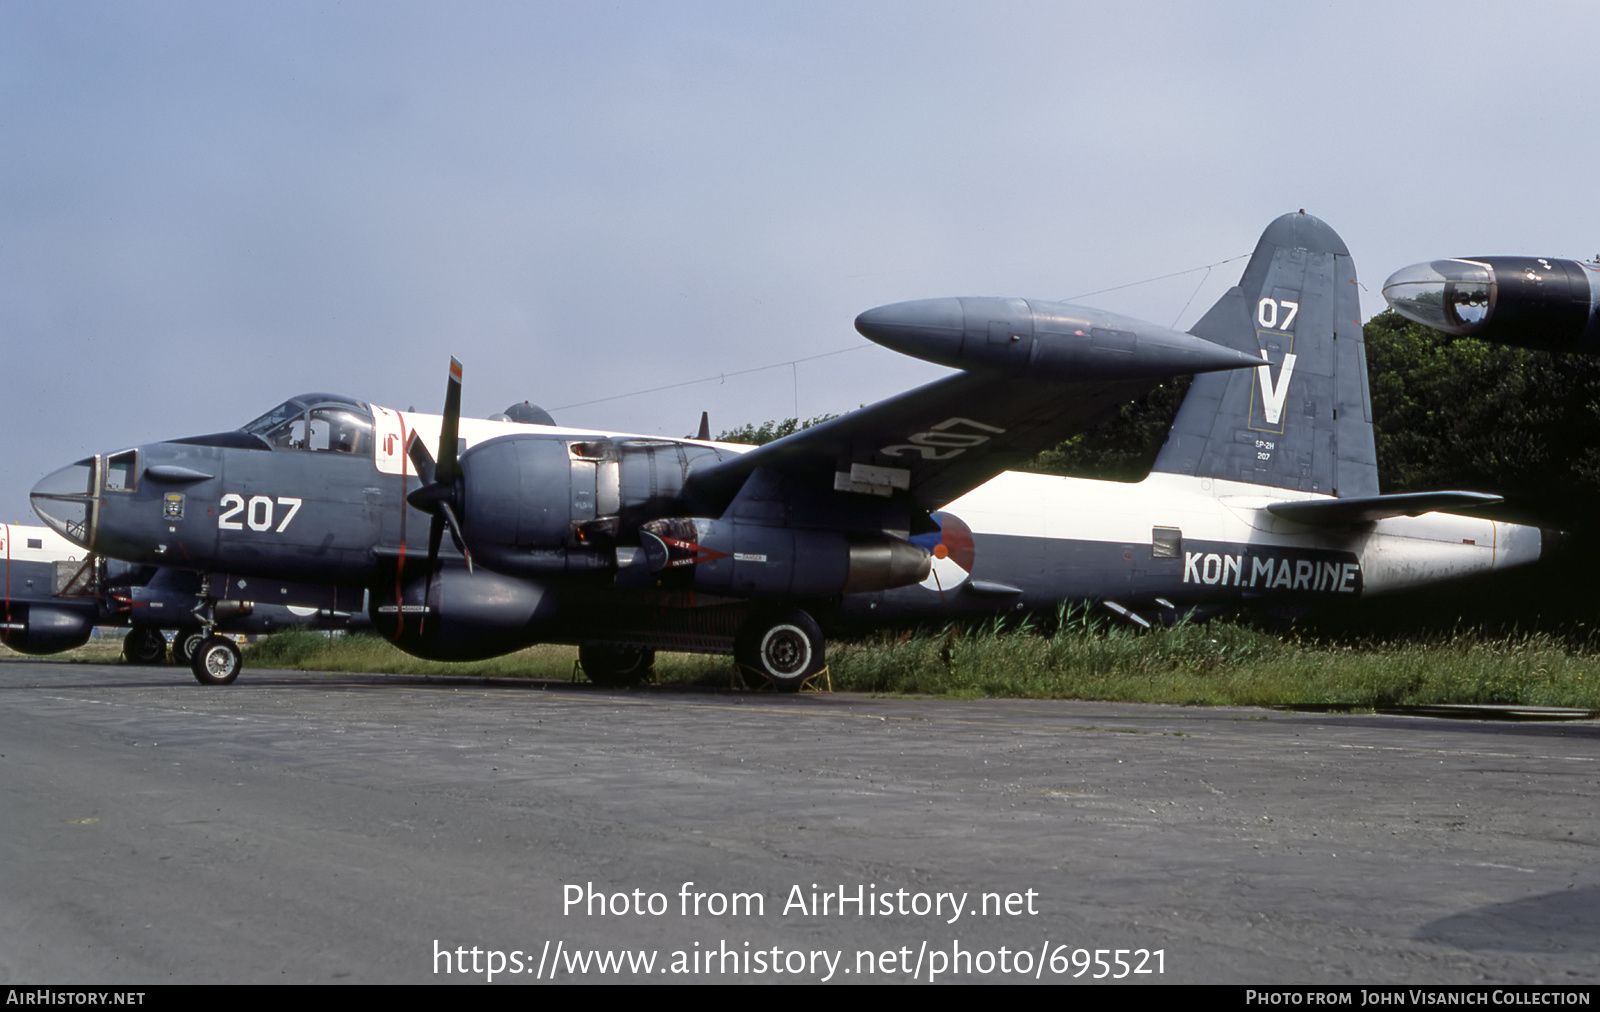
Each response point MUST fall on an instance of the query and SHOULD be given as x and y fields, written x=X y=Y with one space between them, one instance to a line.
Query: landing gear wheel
x=616 y=664
x=784 y=647
x=185 y=643
x=144 y=644
x=216 y=661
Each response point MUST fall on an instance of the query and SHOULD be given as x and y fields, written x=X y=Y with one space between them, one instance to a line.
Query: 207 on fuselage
x=318 y=486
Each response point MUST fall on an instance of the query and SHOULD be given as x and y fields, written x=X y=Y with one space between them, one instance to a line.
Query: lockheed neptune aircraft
x=628 y=544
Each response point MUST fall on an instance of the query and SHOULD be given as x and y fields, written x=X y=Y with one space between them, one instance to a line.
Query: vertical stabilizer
x=1303 y=419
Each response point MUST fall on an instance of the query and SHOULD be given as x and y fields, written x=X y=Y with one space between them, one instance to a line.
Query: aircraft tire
x=616 y=664
x=186 y=642
x=144 y=644
x=783 y=646
x=216 y=661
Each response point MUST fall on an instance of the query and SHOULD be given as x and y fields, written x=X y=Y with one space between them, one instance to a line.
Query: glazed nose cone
x=62 y=500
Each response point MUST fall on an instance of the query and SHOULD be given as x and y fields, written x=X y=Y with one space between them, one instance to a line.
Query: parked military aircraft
x=42 y=614
x=622 y=544
x=627 y=544
x=165 y=601
x=1265 y=492
x=1536 y=302
x=56 y=594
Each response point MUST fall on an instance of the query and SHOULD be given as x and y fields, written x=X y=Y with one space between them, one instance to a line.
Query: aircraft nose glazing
x=1455 y=296
x=64 y=500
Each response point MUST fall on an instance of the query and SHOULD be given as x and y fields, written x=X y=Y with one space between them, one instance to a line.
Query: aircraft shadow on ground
x=1551 y=922
x=265 y=678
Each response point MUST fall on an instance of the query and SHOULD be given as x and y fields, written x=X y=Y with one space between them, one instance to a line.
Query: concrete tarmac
x=312 y=828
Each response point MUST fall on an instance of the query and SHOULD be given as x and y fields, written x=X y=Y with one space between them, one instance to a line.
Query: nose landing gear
x=216 y=661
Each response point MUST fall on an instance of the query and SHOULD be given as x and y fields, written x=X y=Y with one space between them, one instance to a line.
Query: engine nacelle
x=750 y=560
x=539 y=504
x=454 y=615
x=41 y=628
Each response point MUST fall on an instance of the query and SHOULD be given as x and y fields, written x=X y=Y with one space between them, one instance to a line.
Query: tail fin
x=1303 y=420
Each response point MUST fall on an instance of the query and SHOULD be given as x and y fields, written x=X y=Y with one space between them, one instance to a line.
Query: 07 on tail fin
x=1303 y=419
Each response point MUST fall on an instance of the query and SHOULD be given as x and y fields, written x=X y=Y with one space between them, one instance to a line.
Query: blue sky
x=206 y=207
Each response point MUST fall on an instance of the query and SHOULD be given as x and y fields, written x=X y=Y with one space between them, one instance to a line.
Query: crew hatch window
x=122 y=471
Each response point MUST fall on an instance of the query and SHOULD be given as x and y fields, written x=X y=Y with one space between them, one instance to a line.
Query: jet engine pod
x=1533 y=302
x=749 y=560
x=40 y=628
x=454 y=615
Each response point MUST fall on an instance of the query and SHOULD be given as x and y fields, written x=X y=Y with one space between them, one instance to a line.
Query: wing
x=927 y=446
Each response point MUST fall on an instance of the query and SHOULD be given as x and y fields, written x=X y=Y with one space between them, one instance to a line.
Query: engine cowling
x=453 y=615
x=541 y=504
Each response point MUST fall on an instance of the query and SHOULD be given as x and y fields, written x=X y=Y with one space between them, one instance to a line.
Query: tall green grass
x=1222 y=663
x=1075 y=658
x=1081 y=658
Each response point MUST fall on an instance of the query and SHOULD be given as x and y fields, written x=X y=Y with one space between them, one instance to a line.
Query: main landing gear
x=186 y=642
x=616 y=664
x=144 y=644
x=782 y=645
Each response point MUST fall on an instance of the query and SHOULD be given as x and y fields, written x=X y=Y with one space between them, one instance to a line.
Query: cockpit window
x=317 y=422
x=292 y=408
x=289 y=435
x=340 y=430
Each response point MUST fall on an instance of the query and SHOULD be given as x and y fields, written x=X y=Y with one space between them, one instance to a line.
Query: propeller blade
x=440 y=479
x=450 y=520
x=435 y=536
x=449 y=468
x=421 y=459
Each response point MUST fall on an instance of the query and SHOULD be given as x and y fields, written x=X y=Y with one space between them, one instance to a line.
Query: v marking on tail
x=1273 y=395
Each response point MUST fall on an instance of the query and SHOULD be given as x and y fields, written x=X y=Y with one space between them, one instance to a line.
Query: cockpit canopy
x=328 y=423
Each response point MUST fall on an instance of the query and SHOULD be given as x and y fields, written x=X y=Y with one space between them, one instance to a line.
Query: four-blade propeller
x=440 y=494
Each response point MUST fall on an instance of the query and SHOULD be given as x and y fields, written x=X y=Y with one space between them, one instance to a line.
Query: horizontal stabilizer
x=1343 y=512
